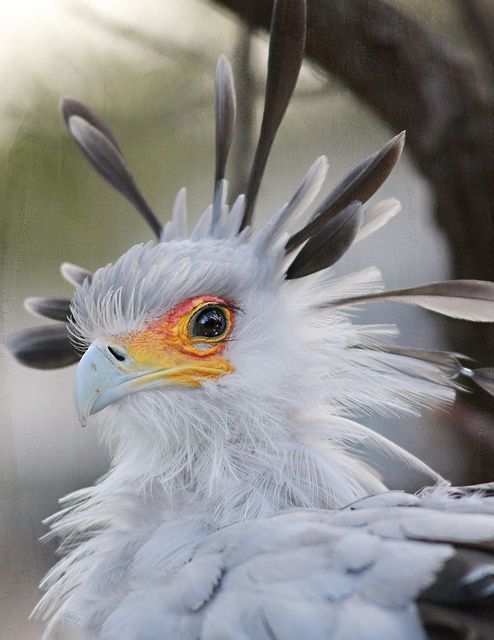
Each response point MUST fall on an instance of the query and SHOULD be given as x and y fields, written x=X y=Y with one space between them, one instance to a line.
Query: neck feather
x=229 y=462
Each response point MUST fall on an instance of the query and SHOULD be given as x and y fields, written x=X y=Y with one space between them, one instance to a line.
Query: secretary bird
x=224 y=370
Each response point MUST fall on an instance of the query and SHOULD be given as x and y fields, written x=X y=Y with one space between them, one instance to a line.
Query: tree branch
x=127 y=32
x=481 y=23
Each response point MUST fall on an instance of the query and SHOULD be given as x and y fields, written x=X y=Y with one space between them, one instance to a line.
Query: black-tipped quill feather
x=52 y=308
x=47 y=347
x=73 y=274
x=226 y=106
x=286 y=50
x=360 y=184
x=463 y=299
x=328 y=245
x=108 y=161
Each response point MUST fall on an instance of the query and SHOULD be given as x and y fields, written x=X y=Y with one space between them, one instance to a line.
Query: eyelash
x=233 y=308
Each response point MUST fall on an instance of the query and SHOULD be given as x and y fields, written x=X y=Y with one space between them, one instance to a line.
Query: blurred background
x=147 y=68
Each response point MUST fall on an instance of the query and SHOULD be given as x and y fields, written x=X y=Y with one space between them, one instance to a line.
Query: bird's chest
x=128 y=562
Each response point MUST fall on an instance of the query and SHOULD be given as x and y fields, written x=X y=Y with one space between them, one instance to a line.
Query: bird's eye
x=210 y=322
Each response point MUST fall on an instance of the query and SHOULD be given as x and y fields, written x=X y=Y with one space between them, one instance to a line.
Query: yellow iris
x=169 y=348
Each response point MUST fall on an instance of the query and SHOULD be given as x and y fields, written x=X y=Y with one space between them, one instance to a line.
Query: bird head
x=197 y=321
x=236 y=330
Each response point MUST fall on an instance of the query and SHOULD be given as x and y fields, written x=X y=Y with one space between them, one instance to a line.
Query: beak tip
x=98 y=382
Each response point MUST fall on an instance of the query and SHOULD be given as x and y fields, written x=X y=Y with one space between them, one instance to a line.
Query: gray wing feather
x=465 y=578
x=356 y=573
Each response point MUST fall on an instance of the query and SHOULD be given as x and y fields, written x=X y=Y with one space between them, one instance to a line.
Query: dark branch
x=128 y=33
x=480 y=21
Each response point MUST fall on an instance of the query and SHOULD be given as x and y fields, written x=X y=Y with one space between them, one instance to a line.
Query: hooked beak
x=105 y=375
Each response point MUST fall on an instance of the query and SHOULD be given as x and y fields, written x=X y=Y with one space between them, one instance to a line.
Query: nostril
x=118 y=355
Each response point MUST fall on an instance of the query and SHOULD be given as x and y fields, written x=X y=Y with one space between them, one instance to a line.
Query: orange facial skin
x=168 y=350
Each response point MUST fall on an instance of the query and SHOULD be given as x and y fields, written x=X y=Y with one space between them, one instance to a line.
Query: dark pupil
x=210 y=323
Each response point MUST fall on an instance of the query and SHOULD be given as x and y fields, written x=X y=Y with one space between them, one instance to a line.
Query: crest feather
x=99 y=146
x=286 y=51
x=359 y=185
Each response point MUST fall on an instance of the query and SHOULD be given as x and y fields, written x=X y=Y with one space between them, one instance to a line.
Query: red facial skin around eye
x=166 y=348
x=171 y=332
x=172 y=317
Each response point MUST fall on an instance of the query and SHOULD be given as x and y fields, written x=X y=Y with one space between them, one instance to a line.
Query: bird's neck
x=226 y=466
x=179 y=474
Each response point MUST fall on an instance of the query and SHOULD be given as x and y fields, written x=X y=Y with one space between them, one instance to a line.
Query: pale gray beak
x=106 y=374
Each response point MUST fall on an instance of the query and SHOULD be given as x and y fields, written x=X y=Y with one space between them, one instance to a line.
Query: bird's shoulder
x=353 y=573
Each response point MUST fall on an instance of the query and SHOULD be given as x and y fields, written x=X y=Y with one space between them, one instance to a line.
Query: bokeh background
x=147 y=68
